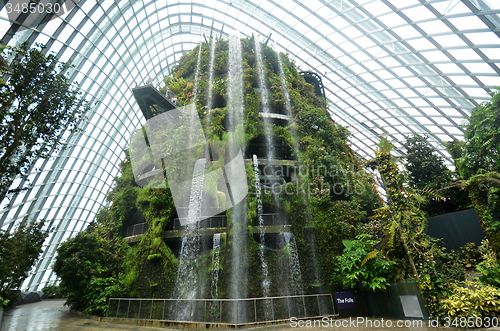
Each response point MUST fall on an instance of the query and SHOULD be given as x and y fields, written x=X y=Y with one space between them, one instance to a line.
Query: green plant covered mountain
x=330 y=204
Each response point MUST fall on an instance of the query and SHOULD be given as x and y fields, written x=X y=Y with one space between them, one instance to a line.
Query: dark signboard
x=345 y=300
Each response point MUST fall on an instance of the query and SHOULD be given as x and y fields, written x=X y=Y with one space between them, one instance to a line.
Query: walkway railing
x=220 y=221
x=136 y=229
x=232 y=311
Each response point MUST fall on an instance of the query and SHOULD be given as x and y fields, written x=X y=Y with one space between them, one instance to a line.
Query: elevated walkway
x=274 y=223
x=209 y=232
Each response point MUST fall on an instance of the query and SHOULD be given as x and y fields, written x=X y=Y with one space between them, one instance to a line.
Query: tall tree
x=482 y=139
x=425 y=167
x=427 y=170
x=37 y=104
x=479 y=154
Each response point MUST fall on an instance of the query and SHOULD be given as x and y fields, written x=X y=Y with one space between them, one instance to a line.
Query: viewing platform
x=274 y=223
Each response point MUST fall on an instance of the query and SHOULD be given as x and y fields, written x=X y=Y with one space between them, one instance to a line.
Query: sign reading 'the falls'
x=345 y=300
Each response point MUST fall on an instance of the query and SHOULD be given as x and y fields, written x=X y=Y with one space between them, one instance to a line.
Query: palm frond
x=429 y=192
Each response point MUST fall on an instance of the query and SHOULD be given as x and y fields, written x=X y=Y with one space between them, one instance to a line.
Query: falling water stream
x=210 y=102
x=311 y=239
x=288 y=107
x=215 y=266
x=266 y=282
x=293 y=256
x=295 y=273
x=197 y=74
x=187 y=282
x=239 y=247
x=264 y=99
x=264 y=94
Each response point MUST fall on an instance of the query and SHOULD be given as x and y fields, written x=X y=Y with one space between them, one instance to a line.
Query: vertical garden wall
x=346 y=236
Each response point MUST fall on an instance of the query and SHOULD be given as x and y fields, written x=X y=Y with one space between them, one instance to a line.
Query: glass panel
x=434 y=27
x=464 y=54
x=483 y=38
x=449 y=41
x=419 y=13
x=467 y=23
x=406 y=32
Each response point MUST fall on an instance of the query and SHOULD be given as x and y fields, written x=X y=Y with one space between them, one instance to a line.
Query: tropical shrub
x=490 y=274
x=472 y=299
x=361 y=264
x=99 y=292
x=51 y=291
x=18 y=252
x=489 y=266
x=80 y=264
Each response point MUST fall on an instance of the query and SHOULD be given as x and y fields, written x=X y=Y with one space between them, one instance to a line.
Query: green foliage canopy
x=425 y=167
x=482 y=139
x=18 y=252
x=37 y=104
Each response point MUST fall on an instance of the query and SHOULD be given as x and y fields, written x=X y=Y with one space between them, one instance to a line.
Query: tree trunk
x=485 y=219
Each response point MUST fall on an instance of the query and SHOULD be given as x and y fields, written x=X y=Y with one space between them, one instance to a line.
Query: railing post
x=289 y=313
x=191 y=312
x=205 y=318
x=107 y=310
x=333 y=307
x=220 y=312
x=237 y=312
x=319 y=307
x=304 y=303
x=163 y=312
x=255 y=308
x=272 y=308
x=140 y=306
x=151 y=313
x=118 y=308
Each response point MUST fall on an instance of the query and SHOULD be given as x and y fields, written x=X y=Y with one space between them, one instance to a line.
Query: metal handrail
x=242 y=299
x=272 y=310
x=131 y=230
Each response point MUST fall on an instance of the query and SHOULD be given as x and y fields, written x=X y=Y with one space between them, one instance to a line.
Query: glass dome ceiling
x=390 y=67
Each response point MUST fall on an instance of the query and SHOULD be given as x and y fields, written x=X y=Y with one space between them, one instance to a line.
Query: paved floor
x=52 y=315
